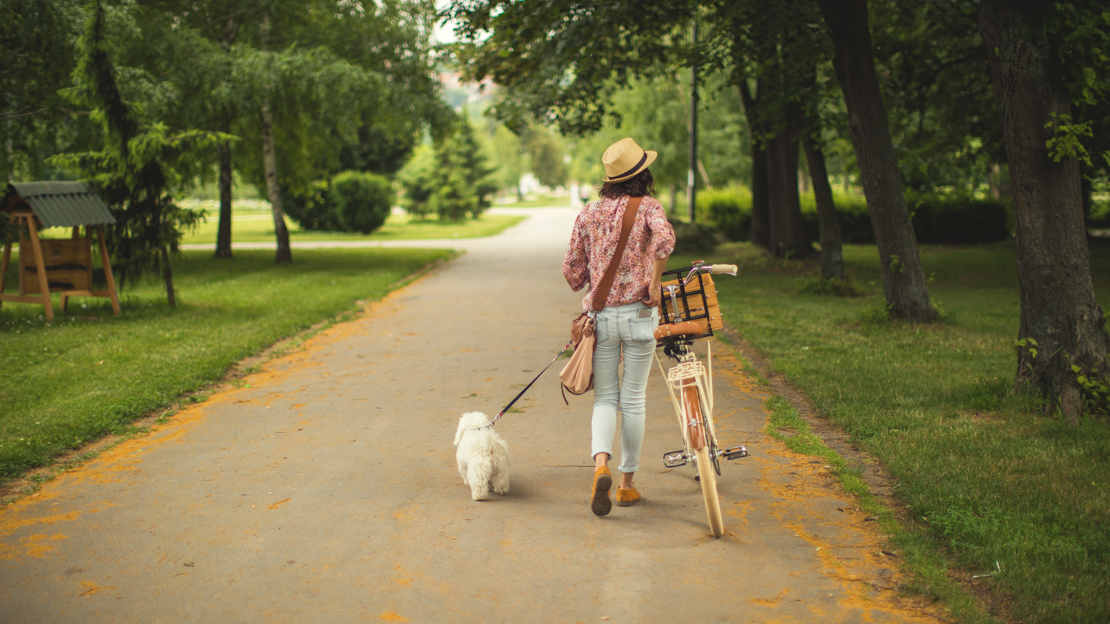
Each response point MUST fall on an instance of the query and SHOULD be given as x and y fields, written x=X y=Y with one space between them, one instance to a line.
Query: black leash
x=517 y=397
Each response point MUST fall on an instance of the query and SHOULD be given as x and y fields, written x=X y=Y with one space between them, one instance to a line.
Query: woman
x=631 y=312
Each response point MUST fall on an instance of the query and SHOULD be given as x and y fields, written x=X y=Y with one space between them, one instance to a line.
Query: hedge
x=936 y=219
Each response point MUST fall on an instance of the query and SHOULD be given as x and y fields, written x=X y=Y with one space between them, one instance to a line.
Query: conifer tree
x=137 y=164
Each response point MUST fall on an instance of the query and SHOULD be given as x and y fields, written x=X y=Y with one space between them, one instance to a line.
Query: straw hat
x=624 y=159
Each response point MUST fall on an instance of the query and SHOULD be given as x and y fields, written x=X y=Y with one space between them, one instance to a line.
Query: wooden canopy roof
x=58 y=204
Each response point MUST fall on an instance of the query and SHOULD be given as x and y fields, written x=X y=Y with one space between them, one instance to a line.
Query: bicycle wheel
x=700 y=439
x=708 y=480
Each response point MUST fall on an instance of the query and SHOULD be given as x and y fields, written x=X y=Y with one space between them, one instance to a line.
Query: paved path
x=325 y=490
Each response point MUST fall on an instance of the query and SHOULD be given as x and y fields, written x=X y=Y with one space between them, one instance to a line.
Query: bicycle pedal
x=735 y=452
x=674 y=459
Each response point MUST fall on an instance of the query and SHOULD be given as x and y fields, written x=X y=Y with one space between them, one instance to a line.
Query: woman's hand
x=654 y=293
x=655 y=290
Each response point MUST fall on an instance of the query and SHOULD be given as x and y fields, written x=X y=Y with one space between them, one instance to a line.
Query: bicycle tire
x=709 y=492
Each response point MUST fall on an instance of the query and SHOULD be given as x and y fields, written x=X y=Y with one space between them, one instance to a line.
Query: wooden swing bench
x=56 y=265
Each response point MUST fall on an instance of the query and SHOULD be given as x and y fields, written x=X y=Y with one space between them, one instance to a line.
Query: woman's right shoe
x=627 y=497
x=599 y=498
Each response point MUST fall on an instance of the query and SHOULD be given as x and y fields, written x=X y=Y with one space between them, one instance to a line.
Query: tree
x=1061 y=322
x=466 y=184
x=311 y=87
x=37 y=56
x=136 y=165
x=904 y=285
x=545 y=153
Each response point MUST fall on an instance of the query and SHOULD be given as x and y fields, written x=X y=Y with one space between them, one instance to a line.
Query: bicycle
x=689 y=312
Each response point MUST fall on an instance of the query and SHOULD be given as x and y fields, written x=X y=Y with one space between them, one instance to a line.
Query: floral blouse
x=594 y=239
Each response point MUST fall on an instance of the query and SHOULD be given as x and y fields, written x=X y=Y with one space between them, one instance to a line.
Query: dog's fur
x=483 y=456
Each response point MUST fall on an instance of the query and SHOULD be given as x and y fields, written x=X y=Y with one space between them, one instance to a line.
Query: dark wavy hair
x=638 y=186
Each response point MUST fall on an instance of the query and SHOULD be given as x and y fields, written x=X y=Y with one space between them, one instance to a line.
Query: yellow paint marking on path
x=92 y=588
x=769 y=602
x=279 y=503
x=393 y=616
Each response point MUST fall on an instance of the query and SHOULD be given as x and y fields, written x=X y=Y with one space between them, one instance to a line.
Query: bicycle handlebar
x=723 y=269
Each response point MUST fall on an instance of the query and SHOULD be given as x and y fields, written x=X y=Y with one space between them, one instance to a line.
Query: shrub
x=729 y=210
x=352 y=202
x=958 y=220
x=362 y=201
x=691 y=238
x=936 y=219
x=312 y=211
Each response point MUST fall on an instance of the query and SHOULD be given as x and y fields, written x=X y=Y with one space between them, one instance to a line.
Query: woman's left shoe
x=627 y=498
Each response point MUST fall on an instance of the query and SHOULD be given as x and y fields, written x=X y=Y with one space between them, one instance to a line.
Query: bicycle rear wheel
x=709 y=492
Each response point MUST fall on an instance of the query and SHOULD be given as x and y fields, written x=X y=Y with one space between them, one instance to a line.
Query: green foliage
x=351 y=202
x=983 y=477
x=453 y=181
x=37 y=55
x=545 y=152
x=362 y=200
x=729 y=210
x=936 y=219
x=937 y=89
x=1096 y=391
x=1067 y=139
x=696 y=239
x=135 y=166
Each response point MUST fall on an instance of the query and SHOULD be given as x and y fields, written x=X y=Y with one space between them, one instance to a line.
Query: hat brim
x=647 y=163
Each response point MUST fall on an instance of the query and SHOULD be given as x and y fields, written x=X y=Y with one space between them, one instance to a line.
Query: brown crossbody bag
x=577 y=377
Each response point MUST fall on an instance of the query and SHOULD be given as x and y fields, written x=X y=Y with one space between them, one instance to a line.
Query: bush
x=729 y=210
x=312 y=210
x=352 y=202
x=936 y=219
x=691 y=238
x=361 y=200
x=958 y=220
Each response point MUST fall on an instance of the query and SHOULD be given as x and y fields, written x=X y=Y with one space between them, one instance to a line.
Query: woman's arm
x=654 y=289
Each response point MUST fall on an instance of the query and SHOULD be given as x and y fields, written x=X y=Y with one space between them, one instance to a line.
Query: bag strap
x=602 y=292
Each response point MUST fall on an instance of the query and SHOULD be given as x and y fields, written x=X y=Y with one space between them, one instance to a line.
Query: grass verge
x=251 y=226
x=91 y=373
x=990 y=486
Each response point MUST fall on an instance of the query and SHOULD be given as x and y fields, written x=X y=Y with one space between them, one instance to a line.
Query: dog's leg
x=462 y=469
x=500 y=480
x=477 y=476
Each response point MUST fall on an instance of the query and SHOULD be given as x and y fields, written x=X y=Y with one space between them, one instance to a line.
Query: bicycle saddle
x=685 y=328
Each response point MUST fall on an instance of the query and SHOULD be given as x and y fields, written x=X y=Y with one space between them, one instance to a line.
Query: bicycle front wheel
x=708 y=478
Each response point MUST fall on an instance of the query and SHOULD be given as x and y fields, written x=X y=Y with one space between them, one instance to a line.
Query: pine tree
x=135 y=167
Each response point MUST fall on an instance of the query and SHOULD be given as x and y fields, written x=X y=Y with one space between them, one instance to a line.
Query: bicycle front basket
x=697 y=301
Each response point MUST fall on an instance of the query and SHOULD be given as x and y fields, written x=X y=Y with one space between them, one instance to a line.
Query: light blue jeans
x=619 y=326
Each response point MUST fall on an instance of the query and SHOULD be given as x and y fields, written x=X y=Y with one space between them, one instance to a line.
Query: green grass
x=90 y=373
x=984 y=476
x=540 y=201
x=251 y=224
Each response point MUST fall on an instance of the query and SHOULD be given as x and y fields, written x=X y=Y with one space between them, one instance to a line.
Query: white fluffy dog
x=483 y=456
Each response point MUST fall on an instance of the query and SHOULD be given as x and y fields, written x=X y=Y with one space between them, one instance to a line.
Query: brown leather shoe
x=627 y=498
x=599 y=498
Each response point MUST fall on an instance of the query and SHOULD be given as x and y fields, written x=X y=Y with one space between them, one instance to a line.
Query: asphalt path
x=324 y=489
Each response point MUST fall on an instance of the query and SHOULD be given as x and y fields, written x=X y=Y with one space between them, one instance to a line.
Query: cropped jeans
x=619 y=326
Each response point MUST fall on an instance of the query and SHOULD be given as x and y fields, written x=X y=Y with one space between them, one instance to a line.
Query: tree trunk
x=674 y=199
x=832 y=255
x=223 y=235
x=907 y=294
x=167 y=277
x=761 y=212
x=269 y=163
x=787 y=233
x=1058 y=306
x=223 y=152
